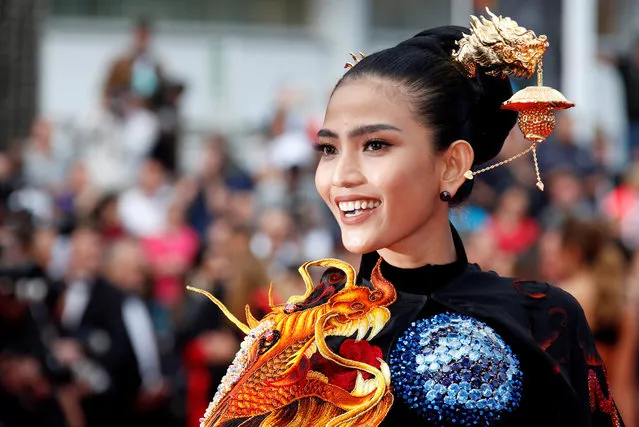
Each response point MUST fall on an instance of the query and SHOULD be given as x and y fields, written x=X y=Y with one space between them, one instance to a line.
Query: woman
x=592 y=268
x=449 y=344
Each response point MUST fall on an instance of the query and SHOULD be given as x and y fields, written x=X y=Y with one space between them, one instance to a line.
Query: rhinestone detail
x=452 y=368
x=238 y=367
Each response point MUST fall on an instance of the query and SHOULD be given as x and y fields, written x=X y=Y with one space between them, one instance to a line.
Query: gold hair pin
x=355 y=59
x=503 y=48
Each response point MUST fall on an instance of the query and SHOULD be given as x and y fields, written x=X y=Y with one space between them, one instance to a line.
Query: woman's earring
x=445 y=196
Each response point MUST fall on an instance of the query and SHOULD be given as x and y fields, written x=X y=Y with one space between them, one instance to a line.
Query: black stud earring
x=445 y=196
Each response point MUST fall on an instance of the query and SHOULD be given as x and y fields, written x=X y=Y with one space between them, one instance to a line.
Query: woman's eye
x=375 y=145
x=326 y=149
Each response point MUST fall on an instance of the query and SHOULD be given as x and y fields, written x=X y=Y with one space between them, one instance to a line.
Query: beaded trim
x=454 y=368
x=238 y=367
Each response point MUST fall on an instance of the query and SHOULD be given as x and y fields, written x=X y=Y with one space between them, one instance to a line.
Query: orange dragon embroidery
x=273 y=381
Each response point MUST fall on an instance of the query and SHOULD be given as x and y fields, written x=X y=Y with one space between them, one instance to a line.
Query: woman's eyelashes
x=373 y=145
x=325 y=149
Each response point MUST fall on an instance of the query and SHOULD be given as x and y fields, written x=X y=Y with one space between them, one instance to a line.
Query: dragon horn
x=386 y=288
x=327 y=262
x=270 y=295
x=252 y=321
x=222 y=307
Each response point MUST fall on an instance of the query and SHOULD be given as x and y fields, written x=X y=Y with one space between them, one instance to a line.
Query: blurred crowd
x=101 y=231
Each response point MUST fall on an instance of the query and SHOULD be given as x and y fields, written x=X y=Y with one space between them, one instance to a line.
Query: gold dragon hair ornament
x=500 y=47
x=355 y=60
x=282 y=374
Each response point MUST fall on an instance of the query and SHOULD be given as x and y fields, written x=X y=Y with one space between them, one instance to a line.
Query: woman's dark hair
x=444 y=98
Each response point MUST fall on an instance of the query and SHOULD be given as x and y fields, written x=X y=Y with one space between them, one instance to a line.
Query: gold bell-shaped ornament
x=536 y=106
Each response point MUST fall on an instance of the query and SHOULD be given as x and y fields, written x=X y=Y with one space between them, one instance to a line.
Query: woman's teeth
x=356 y=207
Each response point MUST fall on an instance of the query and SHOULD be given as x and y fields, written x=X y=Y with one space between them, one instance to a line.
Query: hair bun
x=489 y=124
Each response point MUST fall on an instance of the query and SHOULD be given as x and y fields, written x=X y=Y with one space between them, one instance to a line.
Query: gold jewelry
x=355 y=60
x=502 y=48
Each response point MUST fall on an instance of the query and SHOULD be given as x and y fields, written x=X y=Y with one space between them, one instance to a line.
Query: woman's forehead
x=364 y=101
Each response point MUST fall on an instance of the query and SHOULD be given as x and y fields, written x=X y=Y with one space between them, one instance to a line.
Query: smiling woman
x=421 y=336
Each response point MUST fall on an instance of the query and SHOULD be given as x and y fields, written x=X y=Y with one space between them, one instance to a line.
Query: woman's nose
x=348 y=173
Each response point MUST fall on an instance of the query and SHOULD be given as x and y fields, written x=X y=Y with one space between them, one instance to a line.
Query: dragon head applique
x=286 y=374
x=501 y=47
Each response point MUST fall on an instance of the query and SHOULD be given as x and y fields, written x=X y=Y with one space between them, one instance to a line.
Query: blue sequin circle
x=452 y=368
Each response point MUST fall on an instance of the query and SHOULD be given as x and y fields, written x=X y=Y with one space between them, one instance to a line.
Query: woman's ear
x=457 y=159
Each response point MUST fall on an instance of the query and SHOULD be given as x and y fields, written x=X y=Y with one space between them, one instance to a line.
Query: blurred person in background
x=276 y=241
x=562 y=150
x=514 y=230
x=248 y=279
x=483 y=249
x=77 y=197
x=591 y=267
x=126 y=269
x=166 y=106
x=611 y=114
x=10 y=180
x=237 y=278
x=106 y=219
x=629 y=68
x=95 y=344
x=621 y=206
x=316 y=238
x=205 y=343
x=31 y=383
x=126 y=128
x=143 y=209
x=170 y=254
x=45 y=159
x=136 y=75
x=566 y=198
x=284 y=148
x=216 y=176
x=242 y=203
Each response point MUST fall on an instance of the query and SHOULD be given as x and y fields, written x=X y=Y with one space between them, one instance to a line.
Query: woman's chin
x=358 y=244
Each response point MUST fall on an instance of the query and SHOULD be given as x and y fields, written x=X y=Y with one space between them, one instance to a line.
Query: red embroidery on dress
x=536 y=295
x=598 y=400
x=556 y=313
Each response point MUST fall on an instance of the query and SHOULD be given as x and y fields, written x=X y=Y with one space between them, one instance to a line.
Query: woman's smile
x=356 y=209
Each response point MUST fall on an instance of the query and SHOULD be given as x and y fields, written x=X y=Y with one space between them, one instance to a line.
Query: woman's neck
x=431 y=244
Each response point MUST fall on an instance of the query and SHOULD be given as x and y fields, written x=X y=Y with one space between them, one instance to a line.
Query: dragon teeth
x=362 y=329
x=385 y=370
x=362 y=386
x=380 y=317
x=369 y=385
x=359 y=385
x=310 y=351
x=373 y=322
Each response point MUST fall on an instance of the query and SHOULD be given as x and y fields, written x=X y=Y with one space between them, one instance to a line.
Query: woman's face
x=379 y=172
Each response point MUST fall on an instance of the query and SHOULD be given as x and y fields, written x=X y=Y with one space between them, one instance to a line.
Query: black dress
x=525 y=358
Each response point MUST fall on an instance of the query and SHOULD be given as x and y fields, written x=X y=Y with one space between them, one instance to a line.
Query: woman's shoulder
x=528 y=300
x=478 y=281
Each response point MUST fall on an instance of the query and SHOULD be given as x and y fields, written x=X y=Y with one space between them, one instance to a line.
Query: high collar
x=420 y=280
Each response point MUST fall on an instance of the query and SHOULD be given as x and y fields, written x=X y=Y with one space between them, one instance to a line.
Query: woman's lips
x=358 y=217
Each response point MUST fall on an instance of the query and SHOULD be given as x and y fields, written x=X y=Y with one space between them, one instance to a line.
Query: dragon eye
x=289 y=308
x=268 y=340
x=335 y=278
x=357 y=306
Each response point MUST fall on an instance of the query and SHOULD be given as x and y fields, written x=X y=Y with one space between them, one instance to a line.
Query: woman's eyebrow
x=363 y=130
x=358 y=131
x=325 y=133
